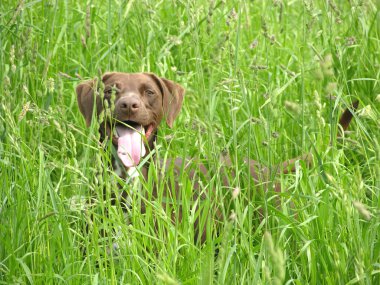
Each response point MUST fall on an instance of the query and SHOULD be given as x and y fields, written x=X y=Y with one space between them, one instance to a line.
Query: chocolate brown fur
x=148 y=99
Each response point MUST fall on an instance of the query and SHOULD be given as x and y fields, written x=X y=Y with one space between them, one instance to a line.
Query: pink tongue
x=130 y=145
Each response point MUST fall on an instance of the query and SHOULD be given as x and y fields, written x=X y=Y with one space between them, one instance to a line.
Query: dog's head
x=140 y=100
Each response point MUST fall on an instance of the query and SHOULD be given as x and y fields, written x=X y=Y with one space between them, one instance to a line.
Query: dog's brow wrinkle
x=148 y=86
x=113 y=86
x=145 y=87
x=117 y=86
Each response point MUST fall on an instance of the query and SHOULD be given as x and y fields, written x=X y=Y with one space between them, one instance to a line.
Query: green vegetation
x=264 y=79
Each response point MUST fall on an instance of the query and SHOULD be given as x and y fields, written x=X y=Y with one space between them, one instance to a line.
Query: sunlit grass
x=264 y=79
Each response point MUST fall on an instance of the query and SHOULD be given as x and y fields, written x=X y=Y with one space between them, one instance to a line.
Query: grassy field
x=264 y=79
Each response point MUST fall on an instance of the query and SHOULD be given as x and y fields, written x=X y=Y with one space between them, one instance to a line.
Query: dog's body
x=139 y=102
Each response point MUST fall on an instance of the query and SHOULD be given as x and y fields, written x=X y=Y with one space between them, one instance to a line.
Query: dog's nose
x=129 y=104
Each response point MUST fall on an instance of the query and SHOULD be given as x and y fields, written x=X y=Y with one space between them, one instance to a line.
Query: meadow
x=264 y=79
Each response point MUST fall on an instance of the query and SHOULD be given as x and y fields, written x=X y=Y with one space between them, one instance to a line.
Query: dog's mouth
x=130 y=141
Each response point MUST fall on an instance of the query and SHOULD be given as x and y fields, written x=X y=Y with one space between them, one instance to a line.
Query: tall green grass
x=264 y=79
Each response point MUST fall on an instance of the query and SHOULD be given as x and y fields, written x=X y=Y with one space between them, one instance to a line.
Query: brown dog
x=139 y=102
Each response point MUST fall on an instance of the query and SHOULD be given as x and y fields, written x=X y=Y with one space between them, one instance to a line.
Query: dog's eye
x=149 y=92
x=108 y=91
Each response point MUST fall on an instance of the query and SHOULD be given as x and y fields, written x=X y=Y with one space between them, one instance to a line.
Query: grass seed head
x=12 y=59
x=254 y=44
x=25 y=89
x=50 y=84
x=233 y=216
x=166 y=279
x=83 y=41
x=331 y=87
x=235 y=192
x=293 y=107
x=7 y=81
x=24 y=110
x=362 y=209
x=368 y=113
x=12 y=55
x=327 y=66
x=350 y=41
x=232 y=17
x=276 y=259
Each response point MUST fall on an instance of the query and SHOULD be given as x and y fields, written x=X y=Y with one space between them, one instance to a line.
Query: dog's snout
x=129 y=104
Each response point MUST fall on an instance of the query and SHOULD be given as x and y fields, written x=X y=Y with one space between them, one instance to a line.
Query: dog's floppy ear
x=85 y=96
x=173 y=94
x=172 y=100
